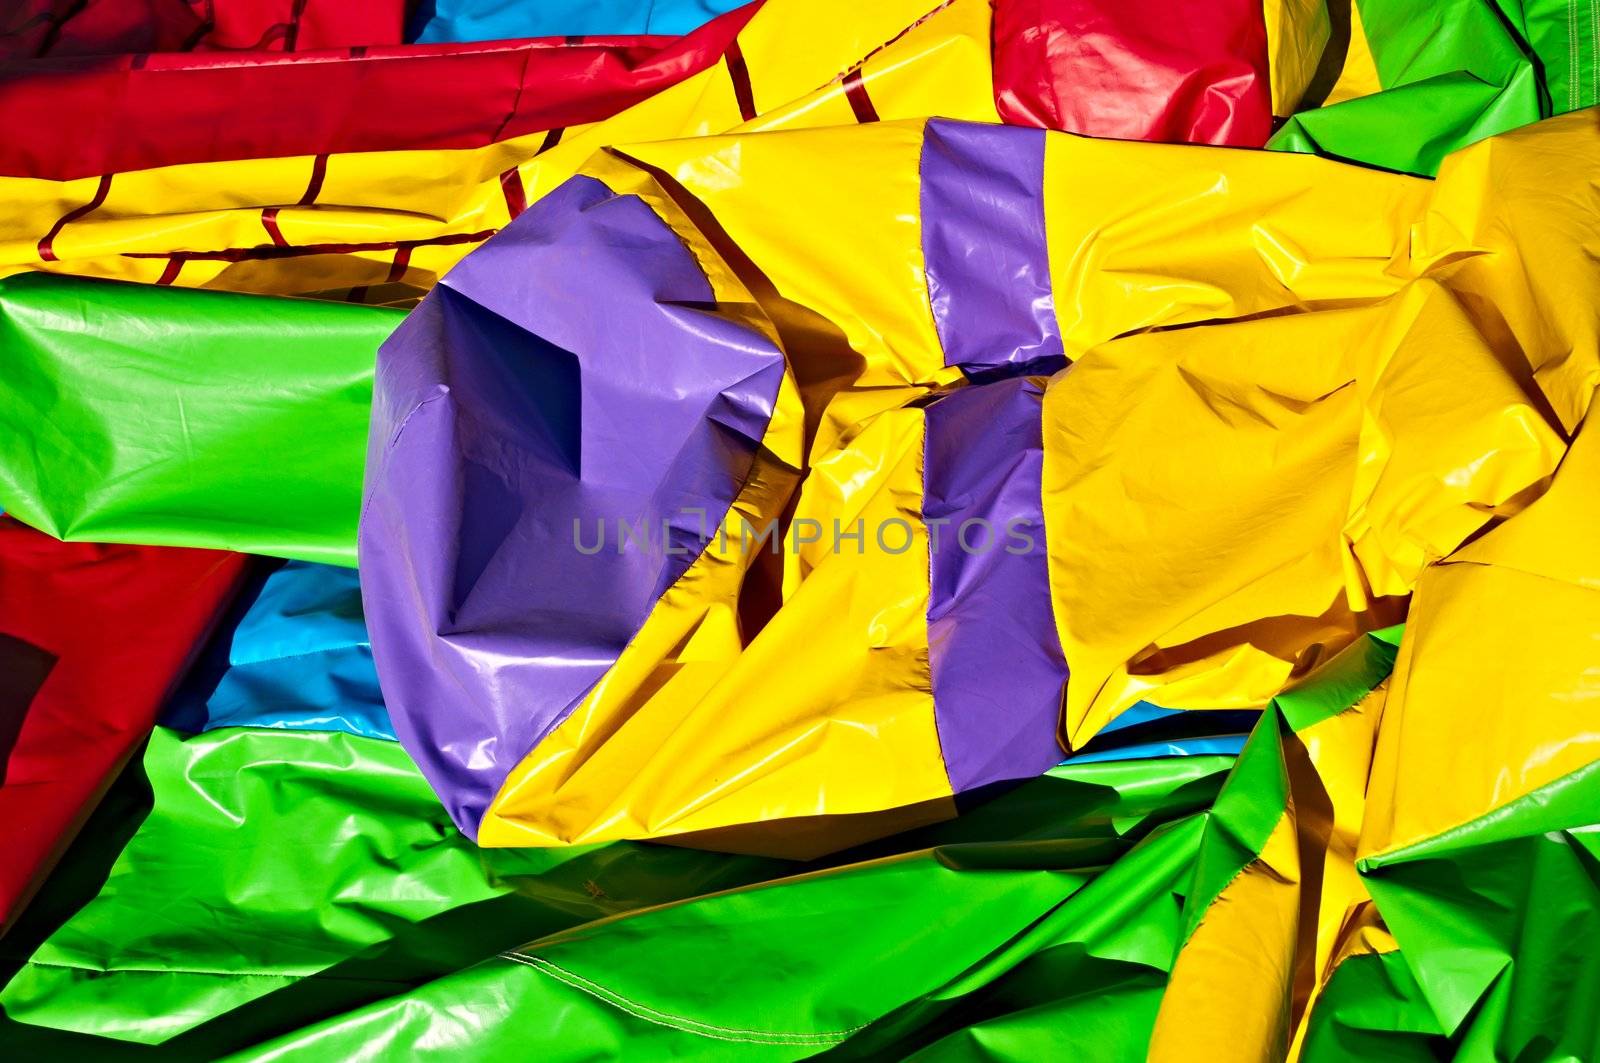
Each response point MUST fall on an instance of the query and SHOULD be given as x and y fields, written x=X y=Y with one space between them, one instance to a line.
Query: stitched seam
x=928 y=134
x=927 y=621
x=891 y=41
x=1572 y=55
x=678 y=1022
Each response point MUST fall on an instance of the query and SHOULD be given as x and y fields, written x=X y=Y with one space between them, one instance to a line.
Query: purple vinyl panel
x=571 y=374
x=998 y=669
x=983 y=247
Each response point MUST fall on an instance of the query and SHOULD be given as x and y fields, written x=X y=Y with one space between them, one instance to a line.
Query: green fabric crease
x=175 y=417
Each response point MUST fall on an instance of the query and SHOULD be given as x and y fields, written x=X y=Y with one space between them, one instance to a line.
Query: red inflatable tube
x=72 y=118
x=1194 y=73
x=1181 y=71
x=30 y=29
x=92 y=639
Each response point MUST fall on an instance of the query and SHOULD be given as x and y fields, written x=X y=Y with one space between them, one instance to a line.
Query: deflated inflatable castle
x=982 y=530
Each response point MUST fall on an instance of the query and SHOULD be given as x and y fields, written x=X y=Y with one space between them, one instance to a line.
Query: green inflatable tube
x=173 y=417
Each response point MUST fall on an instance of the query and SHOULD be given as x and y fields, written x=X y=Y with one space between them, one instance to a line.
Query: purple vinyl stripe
x=983 y=246
x=573 y=369
x=998 y=669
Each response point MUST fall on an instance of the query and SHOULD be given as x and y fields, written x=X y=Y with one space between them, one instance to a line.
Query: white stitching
x=1594 y=52
x=1573 y=95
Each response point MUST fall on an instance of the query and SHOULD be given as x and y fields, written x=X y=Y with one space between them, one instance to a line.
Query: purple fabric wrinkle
x=984 y=250
x=572 y=374
x=996 y=659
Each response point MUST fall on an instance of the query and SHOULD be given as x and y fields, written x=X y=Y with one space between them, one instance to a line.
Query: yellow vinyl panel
x=1246 y=943
x=1226 y=505
x=827 y=711
x=927 y=59
x=1297 y=34
x=1150 y=235
x=1503 y=645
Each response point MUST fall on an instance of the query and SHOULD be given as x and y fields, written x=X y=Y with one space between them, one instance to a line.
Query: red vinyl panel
x=1181 y=71
x=92 y=639
x=72 y=118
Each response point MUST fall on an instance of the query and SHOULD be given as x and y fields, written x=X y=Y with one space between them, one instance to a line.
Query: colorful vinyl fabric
x=489 y=493
x=92 y=639
x=87 y=117
x=485 y=20
x=260 y=454
x=292 y=653
x=1009 y=939
x=888 y=531
x=142 y=506
x=373 y=223
x=1178 y=77
x=255 y=946
x=57 y=28
x=1435 y=913
x=1414 y=86
x=344 y=225
x=1016 y=860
